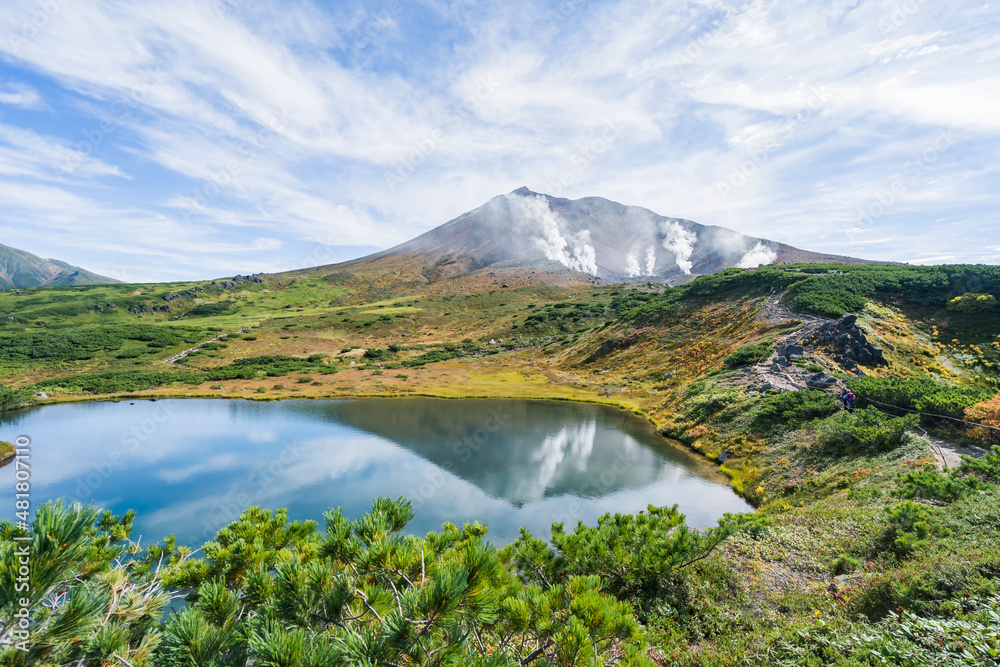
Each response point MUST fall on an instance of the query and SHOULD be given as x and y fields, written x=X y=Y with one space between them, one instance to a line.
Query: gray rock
x=789 y=350
x=821 y=381
x=847 y=320
x=781 y=361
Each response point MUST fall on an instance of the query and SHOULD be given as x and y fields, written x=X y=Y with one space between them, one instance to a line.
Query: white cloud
x=19 y=95
x=821 y=105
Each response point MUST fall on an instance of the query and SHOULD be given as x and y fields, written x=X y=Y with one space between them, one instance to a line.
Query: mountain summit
x=596 y=237
x=19 y=268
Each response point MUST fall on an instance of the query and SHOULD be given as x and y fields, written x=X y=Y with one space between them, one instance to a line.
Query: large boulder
x=821 y=381
x=847 y=320
x=789 y=350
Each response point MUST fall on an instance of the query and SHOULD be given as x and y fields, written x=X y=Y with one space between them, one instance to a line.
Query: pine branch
x=122 y=660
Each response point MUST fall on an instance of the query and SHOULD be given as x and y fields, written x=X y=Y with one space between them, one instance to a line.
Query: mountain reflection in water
x=191 y=466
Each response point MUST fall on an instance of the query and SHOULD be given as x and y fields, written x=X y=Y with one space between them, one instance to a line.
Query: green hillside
x=875 y=540
x=22 y=269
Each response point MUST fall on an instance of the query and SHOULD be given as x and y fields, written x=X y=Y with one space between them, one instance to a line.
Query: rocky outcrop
x=149 y=309
x=252 y=279
x=847 y=343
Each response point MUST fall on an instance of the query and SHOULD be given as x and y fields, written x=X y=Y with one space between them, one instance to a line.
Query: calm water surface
x=190 y=466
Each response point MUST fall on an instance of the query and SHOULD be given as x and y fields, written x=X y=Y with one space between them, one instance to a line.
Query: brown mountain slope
x=524 y=237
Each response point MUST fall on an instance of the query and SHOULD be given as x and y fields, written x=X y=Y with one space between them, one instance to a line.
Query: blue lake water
x=189 y=467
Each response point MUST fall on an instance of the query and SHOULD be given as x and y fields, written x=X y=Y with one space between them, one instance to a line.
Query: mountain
x=594 y=238
x=19 y=268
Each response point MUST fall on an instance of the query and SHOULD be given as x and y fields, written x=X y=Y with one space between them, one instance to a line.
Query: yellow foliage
x=988 y=414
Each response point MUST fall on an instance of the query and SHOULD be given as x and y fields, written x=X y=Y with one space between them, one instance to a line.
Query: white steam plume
x=650 y=260
x=572 y=250
x=759 y=255
x=681 y=242
x=632 y=266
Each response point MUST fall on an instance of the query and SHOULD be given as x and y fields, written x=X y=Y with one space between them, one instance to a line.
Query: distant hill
x=19 y=268
x=595 y=239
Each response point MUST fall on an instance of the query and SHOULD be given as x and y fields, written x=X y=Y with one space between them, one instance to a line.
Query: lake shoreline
x=672 y=440
x=503 y=461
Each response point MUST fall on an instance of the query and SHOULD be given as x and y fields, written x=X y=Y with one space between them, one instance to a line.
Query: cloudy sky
x=151 y=140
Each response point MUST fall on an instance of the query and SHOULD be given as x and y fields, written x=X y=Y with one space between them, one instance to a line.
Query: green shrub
x=867 y=428
x=11 y=399
x=695 y=388
x=973 y=303
x=212 y=309
x=116 y=381
x=911 y=526
x=986 y=468
x=843 y=564
x=931 y=485
x=635 y=555
x=794 y=408
x=305 y=379
x=435 y=356
x=748 y=354
x=921 y=395
x=705 y=405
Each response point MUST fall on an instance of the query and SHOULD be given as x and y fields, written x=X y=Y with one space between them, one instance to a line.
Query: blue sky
x=152 y=140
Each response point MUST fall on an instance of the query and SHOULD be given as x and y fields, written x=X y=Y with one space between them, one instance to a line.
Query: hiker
x=848 y=398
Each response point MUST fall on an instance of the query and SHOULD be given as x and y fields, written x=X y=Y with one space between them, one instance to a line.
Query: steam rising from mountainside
x=681 y=242
x=597 y=238
x=759 y=255
x=549 y=233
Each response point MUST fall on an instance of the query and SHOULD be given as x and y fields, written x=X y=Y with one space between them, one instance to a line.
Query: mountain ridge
x=21 y=269
x=597 y=239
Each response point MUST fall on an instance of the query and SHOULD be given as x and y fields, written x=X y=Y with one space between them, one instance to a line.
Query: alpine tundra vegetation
x=874 y=541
